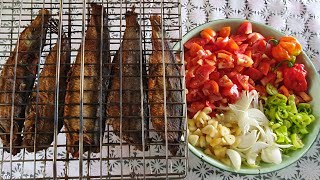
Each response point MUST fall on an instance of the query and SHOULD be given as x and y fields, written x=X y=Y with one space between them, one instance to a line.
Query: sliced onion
x=235 y=159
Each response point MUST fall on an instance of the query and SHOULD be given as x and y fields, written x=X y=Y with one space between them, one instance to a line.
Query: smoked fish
x=130 y=68
x=39 y=122
x=18 y=76
x=156 y=84
x=91 y=112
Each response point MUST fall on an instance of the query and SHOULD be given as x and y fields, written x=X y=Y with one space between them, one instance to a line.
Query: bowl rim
x=216 y=163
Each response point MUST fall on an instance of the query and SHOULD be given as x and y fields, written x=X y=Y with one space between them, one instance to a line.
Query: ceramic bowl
x=314 y=89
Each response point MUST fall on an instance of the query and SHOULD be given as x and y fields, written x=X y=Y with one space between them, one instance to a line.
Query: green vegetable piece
x=275 y=126
x=304 y=131
x=292 y=104
x=312 y=118
x=271 y=90
x=278 y=99
x=296 y=141
x=280 y=138
x=287 y=123
x=305 y=108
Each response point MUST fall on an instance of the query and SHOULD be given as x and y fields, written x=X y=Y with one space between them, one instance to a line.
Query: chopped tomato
x=242 y=49
x=208 y=34
x=231 y=92
x=264 y=67
x=254 y=73
x=225 y=31
x=223 y=63
x=193 y=95
x=232 y=46
x=196 y=106
x=243 y=80
x=270 y=78
x=295 y=78
x=224 y=81
x=220 y=65
x=254 y=37
x=210 y=87
x=215 y=76
x=222 y=42
x=239 y=38
x=200 y=41
x=244 y=60
x=201 y=75
x=194 y=49
x=262 y=90
x=245 y=28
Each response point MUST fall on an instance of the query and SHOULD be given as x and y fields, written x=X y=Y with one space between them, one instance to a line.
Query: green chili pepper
x=271 y=89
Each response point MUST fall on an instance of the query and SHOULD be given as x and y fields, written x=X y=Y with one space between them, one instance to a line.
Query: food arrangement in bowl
x=251 y=95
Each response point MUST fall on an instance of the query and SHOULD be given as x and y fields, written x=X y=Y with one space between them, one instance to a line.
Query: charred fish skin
x=156 y=86
x=27 y=52
x=129 y=51
x=39 y=122
x=91 y=84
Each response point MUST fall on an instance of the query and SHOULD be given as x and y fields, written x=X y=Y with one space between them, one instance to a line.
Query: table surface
x=299 y=18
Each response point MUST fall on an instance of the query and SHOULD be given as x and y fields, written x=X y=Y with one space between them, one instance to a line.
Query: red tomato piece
x=194 y=49
x=243 y=80
x=244 y=60
x=225 y=31
x=225 y=81
x=224 y=64
x=264 y=67
x=295 y=78
x=214 y=76
x=200 y=41
x=221 y=43
x=204 y=71
x=231 y=92
x=208 y=34
x=270 y=78
x=242 y=49
x=253 y=73
x=232 y=46
x=196 y=106
x=210 y=87
x=245 y=28
x=254 y=37
x=262 y=90
x=192 y=95
x=239 y=39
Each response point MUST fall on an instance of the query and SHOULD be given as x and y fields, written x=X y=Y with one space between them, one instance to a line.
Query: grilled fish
x=91 y=86
x=156 y=86
x=40 y=113
x=129 y=51
x=18 y=77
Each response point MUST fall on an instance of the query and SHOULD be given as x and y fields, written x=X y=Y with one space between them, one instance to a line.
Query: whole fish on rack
x=129 y=51
x=161 y=52
x=19 y=78
x=91 y=86
x=39 y=123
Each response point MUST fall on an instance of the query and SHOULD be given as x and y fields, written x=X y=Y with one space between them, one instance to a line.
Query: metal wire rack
x=117 y=159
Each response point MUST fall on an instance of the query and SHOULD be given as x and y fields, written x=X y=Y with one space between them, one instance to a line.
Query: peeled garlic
x=209 y=130
x=193 y=139
x=197 y=132
x=230 y=139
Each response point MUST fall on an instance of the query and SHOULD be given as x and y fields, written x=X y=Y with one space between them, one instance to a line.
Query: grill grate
x=117 y=158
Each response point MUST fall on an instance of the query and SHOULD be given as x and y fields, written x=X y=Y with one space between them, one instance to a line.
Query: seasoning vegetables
x=245 y=104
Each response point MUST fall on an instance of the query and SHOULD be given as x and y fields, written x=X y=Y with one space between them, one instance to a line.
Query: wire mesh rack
x=99 y=148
